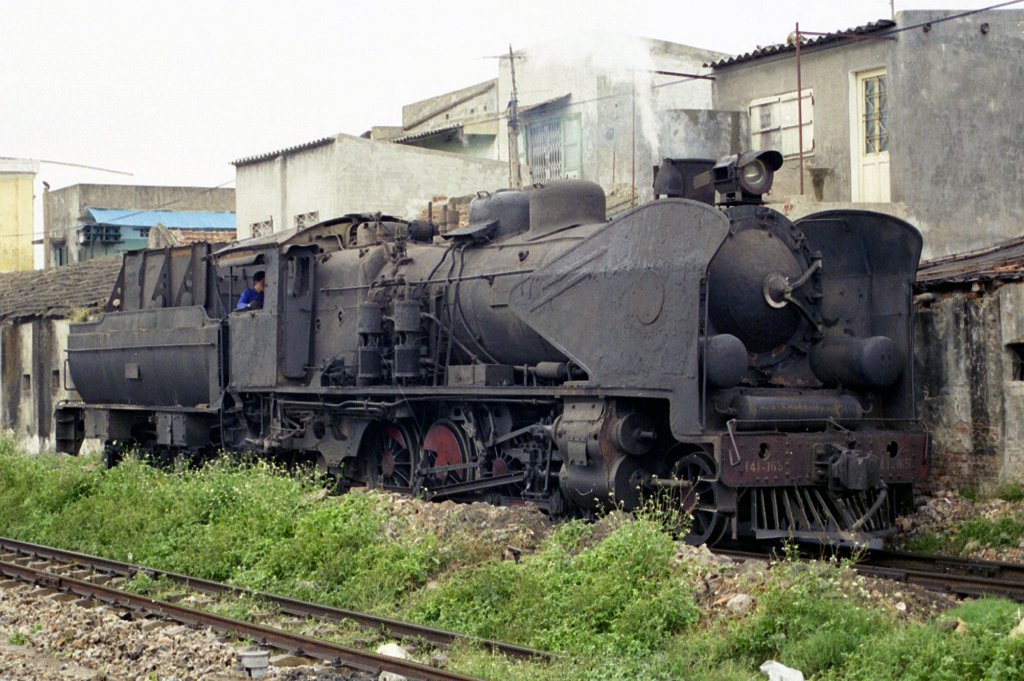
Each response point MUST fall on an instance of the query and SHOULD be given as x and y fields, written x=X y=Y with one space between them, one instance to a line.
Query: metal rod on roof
x=682 y=75
x=515 y=173
x=632 y=188
x=799 y=109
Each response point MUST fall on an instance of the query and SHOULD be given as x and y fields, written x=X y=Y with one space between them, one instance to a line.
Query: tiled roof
x=1002 y=262
x=849 y=35
x=58 y=291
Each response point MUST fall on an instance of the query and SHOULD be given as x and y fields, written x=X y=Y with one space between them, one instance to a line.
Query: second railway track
x=949 y=574
x=90 y=577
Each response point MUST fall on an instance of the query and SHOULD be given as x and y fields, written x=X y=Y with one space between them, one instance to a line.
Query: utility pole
x=632 y=182
x=515 y=176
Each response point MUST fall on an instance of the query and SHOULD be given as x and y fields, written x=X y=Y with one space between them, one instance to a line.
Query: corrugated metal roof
x=850 y=34
x=288 y=150
x=172 y=219
x=1002 y=262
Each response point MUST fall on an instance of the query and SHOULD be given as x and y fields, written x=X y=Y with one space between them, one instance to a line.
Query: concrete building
x=17 y=224
x=608 y=107
x=36 y=309
x=597 y=106
x=300 y=186
x=916 y=117
x=464 y=122
x=86 y=221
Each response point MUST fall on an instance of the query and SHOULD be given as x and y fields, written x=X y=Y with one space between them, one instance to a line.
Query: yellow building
x=17 y=225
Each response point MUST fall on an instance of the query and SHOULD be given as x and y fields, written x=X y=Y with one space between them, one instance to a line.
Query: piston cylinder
x=370 y=318
x=603 y=485
x=407 y=316
x=754 y=410
x=873 y=362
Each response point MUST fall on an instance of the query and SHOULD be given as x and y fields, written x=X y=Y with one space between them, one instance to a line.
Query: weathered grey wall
x=958 y=117
x=63 y=207
x=969 y=395
x=959 y=372
x=19 y=407
x=472 y=103
x=702 y=133
x=620 y=103
x=352 y=175
x=32 y=379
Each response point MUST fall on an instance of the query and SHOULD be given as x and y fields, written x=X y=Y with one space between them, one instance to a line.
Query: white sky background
x=173 y=91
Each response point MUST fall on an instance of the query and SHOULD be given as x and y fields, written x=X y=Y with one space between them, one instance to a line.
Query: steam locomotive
x=755 y=370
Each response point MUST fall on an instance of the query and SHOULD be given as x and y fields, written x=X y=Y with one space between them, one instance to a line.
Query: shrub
x=620 y=595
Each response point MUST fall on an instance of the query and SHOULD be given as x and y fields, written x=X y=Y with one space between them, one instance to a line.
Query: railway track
x=92 y=577
x=958 y=576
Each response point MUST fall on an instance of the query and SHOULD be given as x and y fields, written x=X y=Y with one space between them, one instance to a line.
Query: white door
x=871 y=137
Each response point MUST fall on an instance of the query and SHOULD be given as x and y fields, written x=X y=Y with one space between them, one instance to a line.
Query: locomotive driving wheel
x=446 y=451
x=501 y=464
x=397 y=464
x=707 y=524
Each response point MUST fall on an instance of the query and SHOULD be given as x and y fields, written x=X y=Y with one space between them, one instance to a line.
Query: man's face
x=258 y=286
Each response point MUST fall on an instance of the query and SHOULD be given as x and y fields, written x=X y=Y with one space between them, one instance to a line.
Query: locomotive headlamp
x=746 y=177
x=755 y=177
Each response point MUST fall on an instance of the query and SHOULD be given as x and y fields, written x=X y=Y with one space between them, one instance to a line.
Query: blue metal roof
x=172 y=219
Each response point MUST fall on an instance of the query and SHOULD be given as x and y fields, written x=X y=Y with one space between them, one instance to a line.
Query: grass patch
x=620 y=595
x=805 y=618
x=1009 y=491
x=1001 y=533
x=933 y=653
x=928 y=542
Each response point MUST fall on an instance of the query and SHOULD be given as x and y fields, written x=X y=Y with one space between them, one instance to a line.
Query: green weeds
x=17 y=639
x=932 y=652
x=616 y=596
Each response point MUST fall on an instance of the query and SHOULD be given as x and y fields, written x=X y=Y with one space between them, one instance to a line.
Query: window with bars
x=775 y=123
x=303 y=220
x=60 y=254
x=876 y=123
x=1016 y=351
x=553 y=148
x=262 y=228
x=103 y=234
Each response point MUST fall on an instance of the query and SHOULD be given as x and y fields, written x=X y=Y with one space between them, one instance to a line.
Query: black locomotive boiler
x=756 y=368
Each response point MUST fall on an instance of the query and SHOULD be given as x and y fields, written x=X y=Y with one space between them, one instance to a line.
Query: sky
x=170 y=92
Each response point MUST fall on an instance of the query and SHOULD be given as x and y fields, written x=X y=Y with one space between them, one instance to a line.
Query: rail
x=959 y=576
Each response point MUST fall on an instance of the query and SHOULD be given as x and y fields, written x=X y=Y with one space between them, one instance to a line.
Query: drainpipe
x=799 y=109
